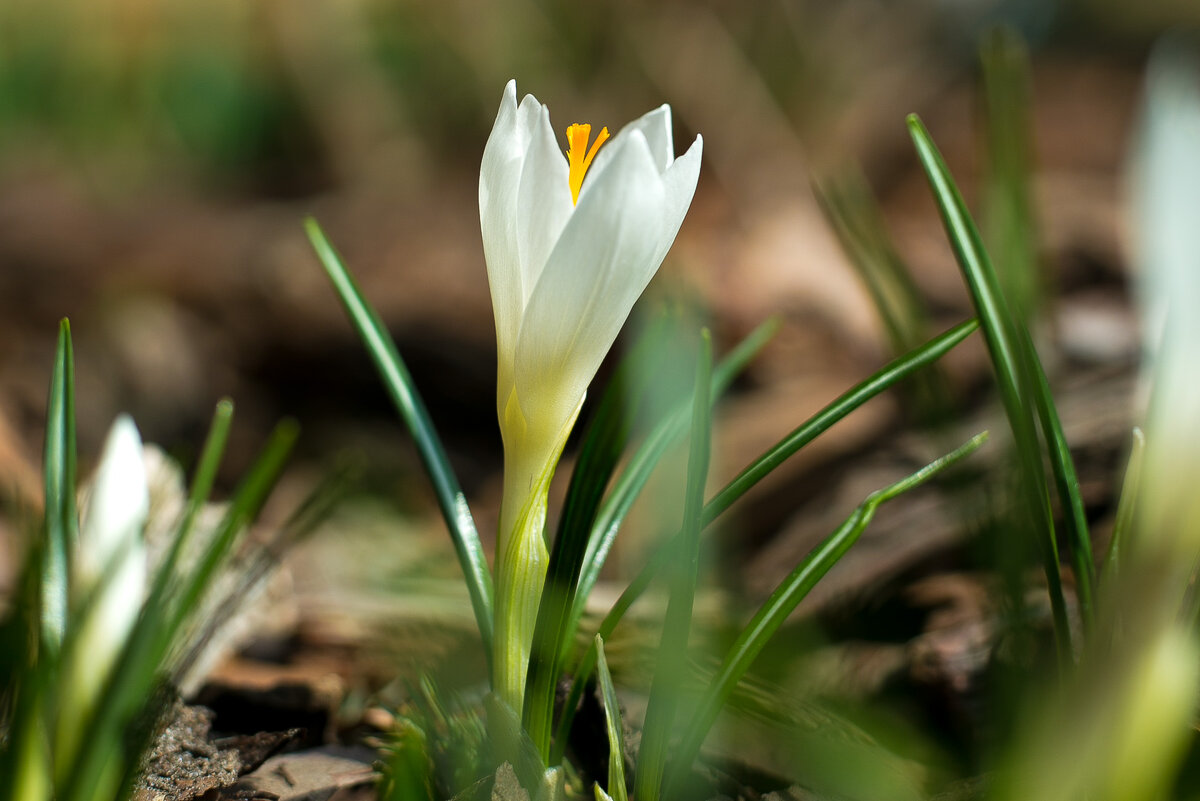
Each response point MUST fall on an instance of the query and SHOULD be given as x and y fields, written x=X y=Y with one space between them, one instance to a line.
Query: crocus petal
x=499 y=185
x=113 y=614
x=117 y=507
x=656 y=127
x=679 y=183
x=109 y=571
x=543 y=202
x=598 y=269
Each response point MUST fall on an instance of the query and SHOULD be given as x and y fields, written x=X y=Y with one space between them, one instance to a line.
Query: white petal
x=543 y=202
x=102 y=634
x=499 y=180
x=679 y=182
x=602 y=262
x=116 y=609
x=118 y=504
x=656 y=127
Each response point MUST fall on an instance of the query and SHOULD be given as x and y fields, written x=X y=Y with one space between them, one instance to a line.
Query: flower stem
x=520 y=574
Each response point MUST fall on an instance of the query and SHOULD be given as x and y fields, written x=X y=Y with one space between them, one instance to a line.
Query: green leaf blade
x=784 y=600
x=61 y=519
x=1126 y=509
x=1066 y=483
x=612 y=727
x=1008 y=211
x=893 y=372
x=399 y=385
x=664 y=700
x=1012 y=377
x=632 y=480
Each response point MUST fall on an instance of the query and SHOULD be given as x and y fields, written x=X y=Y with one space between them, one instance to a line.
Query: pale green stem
x=530 y=456
x=33 y=770
x=521 y=563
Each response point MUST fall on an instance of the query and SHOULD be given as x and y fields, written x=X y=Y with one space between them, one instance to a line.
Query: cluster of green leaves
x=41 y=633
x=1127 y=668
x=601 y=493
x=1006 y=294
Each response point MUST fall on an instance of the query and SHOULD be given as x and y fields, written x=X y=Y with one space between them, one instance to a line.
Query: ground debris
x=329 y=773
x=185 y=763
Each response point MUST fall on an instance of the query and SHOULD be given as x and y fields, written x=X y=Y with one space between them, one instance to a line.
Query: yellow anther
x=579 y=157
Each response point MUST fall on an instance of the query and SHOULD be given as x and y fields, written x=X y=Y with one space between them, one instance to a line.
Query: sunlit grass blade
x=61 y=521
x=672 y=649
x=633 y=478
x=612 y=727
x=1004 y=346
x=399 y=385
x=25 y=763
x=893 y=372
x=1011 y=233
x=604 y=441
x=856 y=220
x=1126 y=508
x=410 y=770
x=784 y=600
x=257 y=566
x=1066 y=482
x=1008 y=220
x=198 y=494
x=505 y=724
x=247 y=502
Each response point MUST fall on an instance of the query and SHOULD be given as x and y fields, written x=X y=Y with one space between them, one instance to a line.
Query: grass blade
x=198 y=494
x=859 y=226
x=1009 y=221
x=786 y=597
x=672 y=650
x=61 y=519
x=1066 y=482
x=254 y=569
x=409 y=775
x=822 y=421
x=612 y=725
x=1010 y=226
x=399 y=385
x=635 y=475
x=1126 y=507
x=895 y=371
x=1005 y=348
x=856 y=220
x=245 y=506
x=25 y=669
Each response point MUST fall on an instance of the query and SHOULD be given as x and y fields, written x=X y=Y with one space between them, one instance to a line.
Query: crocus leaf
x=1012 y=378
x=61 y=521
x=895 y=371
x=399 y=384
x=784 y=600
x=612 y=727
x=663 y=703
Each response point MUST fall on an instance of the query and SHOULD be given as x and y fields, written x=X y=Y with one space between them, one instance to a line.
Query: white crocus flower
x=566 y=260
x=108 y=580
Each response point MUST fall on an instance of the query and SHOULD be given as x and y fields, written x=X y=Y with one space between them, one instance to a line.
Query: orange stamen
x=579 y=157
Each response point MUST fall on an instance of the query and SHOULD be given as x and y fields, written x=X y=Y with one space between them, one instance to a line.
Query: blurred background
x=157 y=158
